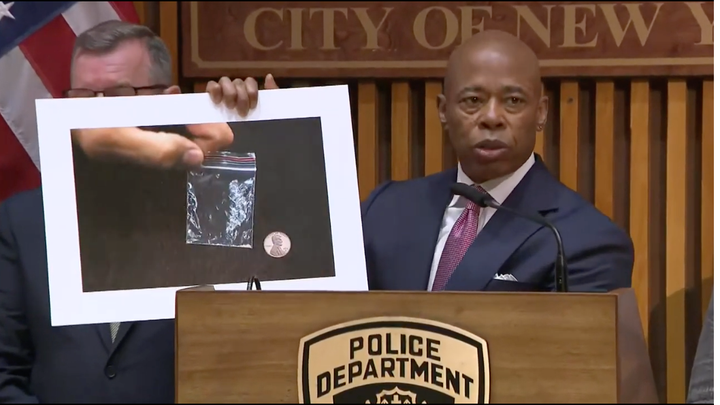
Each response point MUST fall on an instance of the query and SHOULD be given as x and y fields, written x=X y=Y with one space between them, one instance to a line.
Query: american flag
x=36 y=41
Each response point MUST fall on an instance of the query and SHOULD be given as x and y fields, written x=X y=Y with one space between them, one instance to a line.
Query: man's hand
x=147 y=148
x=242 y=95
x=167 y=150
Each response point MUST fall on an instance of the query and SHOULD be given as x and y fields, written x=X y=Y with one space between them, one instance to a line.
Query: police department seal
x=393 y=360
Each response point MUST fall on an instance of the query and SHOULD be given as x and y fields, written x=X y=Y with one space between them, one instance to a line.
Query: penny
x=277 y=244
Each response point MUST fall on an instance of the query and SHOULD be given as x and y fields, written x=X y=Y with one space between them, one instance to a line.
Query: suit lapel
x=505 y=233
x=423 y=228
x=103 y=331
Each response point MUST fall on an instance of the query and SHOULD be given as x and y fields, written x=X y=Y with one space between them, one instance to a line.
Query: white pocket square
x=505 y=277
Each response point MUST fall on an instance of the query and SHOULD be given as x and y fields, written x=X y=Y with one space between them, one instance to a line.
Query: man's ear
x=442 y=109
x=174 y=89
x=542 y=113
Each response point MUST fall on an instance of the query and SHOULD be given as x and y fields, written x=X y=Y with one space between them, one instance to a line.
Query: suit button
x=110 y=372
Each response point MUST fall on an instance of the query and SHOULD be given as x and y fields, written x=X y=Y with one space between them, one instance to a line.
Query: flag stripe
x=17 y=99
x=49 y=50
x=17 y=171
x=35 y=62
x=85 y=15
x=126 y=11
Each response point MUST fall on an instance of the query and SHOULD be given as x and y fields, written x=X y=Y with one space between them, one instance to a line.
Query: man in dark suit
x=701 y=389
x=131 y=362
x=419 y=236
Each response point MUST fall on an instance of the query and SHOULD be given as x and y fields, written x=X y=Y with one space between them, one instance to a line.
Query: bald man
x=419 y=236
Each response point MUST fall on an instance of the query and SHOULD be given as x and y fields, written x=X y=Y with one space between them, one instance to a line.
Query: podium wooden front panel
x=242 y=347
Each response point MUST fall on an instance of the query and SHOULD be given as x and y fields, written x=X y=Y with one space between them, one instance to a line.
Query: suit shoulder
x=411 y=185
x=391 y=190
x=585 y=215
x=23 y=203
x=586 y=208
x=414 y=185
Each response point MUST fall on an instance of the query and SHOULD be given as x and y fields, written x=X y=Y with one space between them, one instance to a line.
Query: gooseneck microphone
x=484 y=199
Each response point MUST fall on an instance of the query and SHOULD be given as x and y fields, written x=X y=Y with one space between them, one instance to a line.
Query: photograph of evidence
x=260 y=209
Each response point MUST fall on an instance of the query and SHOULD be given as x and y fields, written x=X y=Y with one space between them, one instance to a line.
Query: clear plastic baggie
x=221 y=200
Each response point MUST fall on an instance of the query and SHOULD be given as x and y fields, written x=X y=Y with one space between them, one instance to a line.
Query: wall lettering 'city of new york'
x=414 y=39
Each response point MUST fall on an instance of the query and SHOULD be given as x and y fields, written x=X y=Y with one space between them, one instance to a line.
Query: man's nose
x=491 y=117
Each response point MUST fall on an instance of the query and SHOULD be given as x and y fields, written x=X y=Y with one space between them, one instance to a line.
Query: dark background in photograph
x=132 y=219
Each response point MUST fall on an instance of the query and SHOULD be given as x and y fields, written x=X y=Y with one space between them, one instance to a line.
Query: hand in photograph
x=169 y=150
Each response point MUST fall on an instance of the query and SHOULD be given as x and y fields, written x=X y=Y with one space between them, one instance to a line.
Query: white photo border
x=69 y=305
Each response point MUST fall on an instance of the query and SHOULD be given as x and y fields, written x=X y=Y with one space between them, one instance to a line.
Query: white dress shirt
x=499 y=189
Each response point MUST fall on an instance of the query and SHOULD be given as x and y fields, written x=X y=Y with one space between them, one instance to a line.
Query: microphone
x=484 y=199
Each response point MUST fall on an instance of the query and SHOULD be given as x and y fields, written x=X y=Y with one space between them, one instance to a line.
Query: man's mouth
x=490 y=149
x=491 y=144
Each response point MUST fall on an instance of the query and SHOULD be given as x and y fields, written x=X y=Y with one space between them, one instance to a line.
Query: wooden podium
x=411 y=347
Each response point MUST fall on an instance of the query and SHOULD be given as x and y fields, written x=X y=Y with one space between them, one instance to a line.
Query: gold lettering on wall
x=414 y=39
x=706 y=26
x=296 y=28
x=328 y=24
x=420 y=28
x=250 y=28
x=466 y=20
x=571 y=25
x=576 y=19
x=636 y=20
x=542 y=30
x=371 y=30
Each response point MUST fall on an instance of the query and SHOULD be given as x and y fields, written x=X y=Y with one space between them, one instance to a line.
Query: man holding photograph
x=124 y=363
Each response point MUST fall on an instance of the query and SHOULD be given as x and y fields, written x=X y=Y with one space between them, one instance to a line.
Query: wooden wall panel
x=639 y=179
x=367 y=143
x=641 y=150
x=706 y=197
x=435 y=151
x=569 y=127
x=675 y=245
x=605 y=147
x=168 y=31
x=140 y=9
x=401 y=143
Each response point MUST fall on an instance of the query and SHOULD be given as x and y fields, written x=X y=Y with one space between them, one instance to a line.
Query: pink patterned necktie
x=461 y=236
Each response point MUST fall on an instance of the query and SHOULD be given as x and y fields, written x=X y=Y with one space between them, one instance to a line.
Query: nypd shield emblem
x=390 y=360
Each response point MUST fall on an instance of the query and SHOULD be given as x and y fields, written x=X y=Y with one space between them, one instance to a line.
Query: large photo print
x=276 y=204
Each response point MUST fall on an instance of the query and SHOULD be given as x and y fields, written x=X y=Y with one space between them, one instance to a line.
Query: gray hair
x=107 y=36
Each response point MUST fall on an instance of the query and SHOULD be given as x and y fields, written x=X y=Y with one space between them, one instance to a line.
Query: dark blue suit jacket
x=80 y=364
x=401 y=222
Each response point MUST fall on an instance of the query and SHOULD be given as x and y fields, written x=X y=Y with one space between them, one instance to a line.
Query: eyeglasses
x=120 y=91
